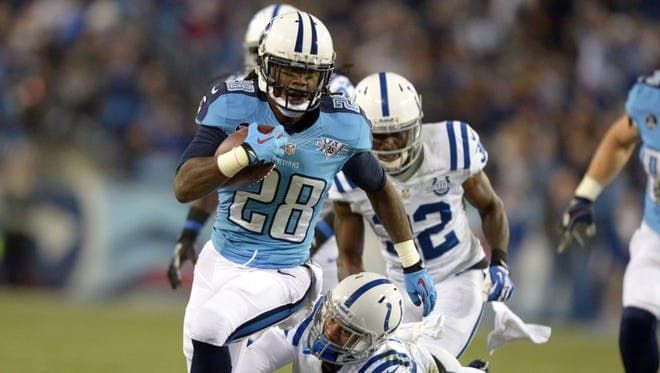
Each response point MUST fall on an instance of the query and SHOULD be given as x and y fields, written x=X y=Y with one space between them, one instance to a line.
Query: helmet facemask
x=295 y=87
x=397 y=146
x=335 y=338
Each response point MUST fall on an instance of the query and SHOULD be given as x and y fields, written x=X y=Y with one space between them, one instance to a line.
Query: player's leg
x=230 y=302
x=641 y=301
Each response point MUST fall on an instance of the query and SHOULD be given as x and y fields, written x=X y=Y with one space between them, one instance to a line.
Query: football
x=250 y=174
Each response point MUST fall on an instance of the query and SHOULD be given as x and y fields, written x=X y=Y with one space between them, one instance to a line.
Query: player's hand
x=265 y=147
x=420 y=288
x=499 y=286
x=577 y=223
x=183 y=250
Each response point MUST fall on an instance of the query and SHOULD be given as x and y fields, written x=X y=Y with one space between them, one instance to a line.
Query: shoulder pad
x=230 y=100
x=339 y=104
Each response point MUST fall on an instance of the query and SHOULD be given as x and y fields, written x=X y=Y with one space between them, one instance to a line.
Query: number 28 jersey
x=270 y=224
x=433 y=198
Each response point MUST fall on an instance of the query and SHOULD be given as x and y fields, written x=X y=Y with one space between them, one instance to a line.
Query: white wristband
x=231 y=162
x=407 y=253
x=589 y=188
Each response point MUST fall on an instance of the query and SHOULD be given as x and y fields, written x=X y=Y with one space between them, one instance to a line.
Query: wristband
x=194 y=223
x=407 y=253
x=231 y=162
x=589 y=188
x=498 y=257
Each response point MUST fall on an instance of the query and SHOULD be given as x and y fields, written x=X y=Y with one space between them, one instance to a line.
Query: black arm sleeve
x=206 y=141
x=365 y=171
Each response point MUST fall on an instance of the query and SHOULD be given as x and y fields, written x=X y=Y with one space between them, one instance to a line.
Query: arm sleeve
x=204 y=144
x=365 y=171
x=268 y=353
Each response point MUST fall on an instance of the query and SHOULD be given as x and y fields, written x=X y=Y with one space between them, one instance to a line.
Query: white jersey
x=433 y=198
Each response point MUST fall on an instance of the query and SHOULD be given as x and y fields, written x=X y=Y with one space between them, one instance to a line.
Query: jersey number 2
x=291 y=218
x=424 y=238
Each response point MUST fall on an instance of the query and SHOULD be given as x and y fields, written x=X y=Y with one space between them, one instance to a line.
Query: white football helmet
x=355 y=319
x=256 y=27
x=295 y=44
x=393 y=106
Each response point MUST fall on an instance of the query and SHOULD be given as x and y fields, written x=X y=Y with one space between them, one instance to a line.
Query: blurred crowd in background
x=112 y=86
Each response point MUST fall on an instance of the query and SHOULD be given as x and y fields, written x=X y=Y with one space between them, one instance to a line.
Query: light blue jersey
x=270 y=224
x=643 y=106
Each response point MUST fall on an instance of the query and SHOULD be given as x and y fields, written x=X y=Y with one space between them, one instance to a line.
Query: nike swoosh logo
x=261 y=141
x=214 y=90
x=423 y=285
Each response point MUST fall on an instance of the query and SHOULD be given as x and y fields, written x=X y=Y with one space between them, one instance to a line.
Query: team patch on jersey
x=440 y=186
x=651 y=121
x=331 y=147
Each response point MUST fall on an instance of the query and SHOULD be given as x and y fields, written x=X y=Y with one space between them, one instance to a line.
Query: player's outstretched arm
x=368 y=174
x=391 y=212
x=611 y=156
x=184 y=249
x=495 y=225
x=349 y=232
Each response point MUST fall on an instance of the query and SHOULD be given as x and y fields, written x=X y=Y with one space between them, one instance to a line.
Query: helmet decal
x=385 y=103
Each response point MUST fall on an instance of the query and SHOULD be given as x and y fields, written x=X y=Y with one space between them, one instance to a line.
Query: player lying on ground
x=355 y=328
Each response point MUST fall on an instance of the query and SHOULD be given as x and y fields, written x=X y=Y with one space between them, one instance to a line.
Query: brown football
x=250 y=174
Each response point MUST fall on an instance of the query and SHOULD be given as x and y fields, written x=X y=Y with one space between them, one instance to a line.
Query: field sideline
x=44 y=333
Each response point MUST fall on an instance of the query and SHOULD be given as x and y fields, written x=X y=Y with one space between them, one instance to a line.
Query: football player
x=254 y=272
x=354 y=328
x=201 y=209
x=435 y=168
x=641 y=283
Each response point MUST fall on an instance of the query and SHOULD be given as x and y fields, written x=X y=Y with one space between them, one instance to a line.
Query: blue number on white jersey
x=424 y=238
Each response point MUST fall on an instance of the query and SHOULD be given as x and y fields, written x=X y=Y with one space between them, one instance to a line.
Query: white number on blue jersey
x=650 y=161
x=426 y=237
x=291 y=218
x=341 y=102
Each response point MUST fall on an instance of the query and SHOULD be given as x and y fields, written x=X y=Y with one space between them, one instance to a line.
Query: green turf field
x=42 y=333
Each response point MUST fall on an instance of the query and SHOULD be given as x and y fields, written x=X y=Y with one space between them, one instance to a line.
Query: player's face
x=389 y=142
x=300 y=83
x=335 y=332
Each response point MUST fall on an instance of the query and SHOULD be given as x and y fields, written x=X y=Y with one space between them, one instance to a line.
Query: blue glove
x=421 y=289
x=577 y=222
x=500 y=287
x=265 y=147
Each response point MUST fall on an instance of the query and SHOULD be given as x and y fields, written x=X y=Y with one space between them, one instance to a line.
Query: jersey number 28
x=291 y=218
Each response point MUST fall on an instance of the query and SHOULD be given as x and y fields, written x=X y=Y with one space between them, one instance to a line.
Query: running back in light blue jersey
x=271 y=224
x=643 y=107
